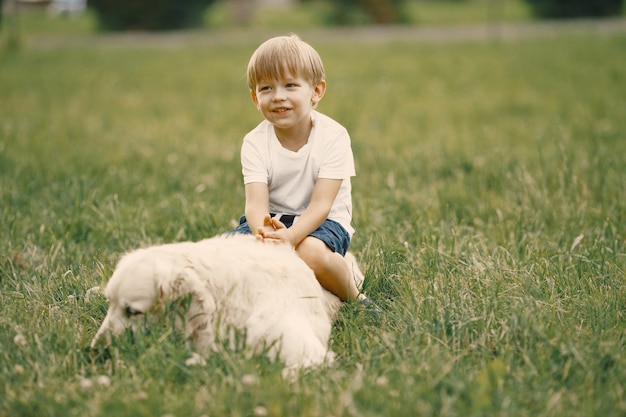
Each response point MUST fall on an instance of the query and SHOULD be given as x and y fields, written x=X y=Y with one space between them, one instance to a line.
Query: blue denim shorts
x=330 y=232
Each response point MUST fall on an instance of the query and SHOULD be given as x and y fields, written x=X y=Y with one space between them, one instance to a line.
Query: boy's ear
x=255 y=99
x=318 y=92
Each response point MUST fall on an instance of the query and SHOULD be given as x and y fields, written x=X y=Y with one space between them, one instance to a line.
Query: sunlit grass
x=488 y=205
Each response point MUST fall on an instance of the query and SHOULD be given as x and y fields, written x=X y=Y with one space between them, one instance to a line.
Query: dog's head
x=143 y=282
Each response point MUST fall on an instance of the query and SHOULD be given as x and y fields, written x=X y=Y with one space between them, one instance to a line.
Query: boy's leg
x=242 y=228
x=329 y=267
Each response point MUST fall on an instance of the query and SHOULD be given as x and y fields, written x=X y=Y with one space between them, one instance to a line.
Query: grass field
x=489 y=205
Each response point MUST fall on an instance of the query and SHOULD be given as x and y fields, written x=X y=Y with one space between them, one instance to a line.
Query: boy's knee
x=314 y=252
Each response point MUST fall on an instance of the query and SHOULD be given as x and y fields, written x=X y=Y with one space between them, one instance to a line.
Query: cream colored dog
x=236 y=283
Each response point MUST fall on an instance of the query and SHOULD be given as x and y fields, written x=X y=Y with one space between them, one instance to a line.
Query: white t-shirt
x=291 y=176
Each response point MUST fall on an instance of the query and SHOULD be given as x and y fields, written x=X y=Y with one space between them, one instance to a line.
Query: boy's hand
x=267 y=227
x=274 y=230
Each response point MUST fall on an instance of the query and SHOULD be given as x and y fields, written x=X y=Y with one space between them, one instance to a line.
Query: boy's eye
x=264 y=88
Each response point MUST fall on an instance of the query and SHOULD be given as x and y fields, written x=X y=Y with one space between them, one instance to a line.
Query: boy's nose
x=279 y=94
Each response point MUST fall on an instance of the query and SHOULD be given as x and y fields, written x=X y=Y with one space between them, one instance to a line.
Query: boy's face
x=287 y=102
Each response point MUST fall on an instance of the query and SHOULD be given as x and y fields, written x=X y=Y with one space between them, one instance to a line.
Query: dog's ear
x=174 y=277
x=180 y=278
x=182 y=284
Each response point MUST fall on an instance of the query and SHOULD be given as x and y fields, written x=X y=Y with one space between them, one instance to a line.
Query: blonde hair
x=277 y=57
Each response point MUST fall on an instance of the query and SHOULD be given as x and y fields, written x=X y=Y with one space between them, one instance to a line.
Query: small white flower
x=195 y=359
x=85 y=383
x=103 y=381
x=249 y=380
x=260 y=411
x=18 y=369
x=382 y=381
x=19 y=340
x=90 y=292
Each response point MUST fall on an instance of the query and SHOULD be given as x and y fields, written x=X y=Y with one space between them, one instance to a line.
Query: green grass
x=489 y=208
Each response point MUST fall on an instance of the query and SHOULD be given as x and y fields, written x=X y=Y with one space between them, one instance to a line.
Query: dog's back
x=237 y=283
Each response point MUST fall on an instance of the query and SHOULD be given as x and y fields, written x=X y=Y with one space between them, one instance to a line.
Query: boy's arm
x=257 y=206
x=324 y=194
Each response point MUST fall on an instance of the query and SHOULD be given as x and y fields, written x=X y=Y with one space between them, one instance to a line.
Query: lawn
x=489 y=207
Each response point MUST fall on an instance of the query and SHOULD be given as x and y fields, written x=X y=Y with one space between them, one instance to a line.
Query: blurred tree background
x=82 y=16
x=149 y=14
x=576 y=8
x=377 y=11
x=178 y=14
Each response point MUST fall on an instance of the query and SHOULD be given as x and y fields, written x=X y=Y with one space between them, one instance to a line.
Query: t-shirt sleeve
x=253 y=160
x=339 y=160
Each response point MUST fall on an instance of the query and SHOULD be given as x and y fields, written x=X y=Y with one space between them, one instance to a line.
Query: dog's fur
x=236 y=283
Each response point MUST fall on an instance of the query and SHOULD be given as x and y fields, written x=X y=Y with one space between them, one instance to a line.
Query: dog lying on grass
x=236 y=283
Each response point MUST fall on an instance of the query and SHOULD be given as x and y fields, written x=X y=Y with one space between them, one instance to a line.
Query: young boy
x=297 y=164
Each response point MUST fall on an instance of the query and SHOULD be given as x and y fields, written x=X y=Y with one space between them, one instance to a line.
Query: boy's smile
x=281 y=110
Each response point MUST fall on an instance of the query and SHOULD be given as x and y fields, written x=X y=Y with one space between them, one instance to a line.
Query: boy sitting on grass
x=297 y=164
